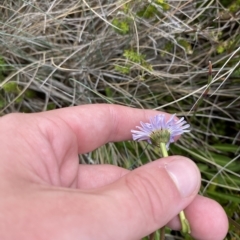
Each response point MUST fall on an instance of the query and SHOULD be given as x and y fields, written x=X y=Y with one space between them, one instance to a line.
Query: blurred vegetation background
x=146 y=54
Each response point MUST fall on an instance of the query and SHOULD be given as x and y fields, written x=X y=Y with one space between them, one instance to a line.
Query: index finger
x=97 y=124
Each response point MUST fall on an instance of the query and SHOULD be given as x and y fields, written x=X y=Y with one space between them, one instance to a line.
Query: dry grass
x=62 y=53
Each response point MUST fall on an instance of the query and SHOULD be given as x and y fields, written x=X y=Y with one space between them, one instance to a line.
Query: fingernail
x=185 y=175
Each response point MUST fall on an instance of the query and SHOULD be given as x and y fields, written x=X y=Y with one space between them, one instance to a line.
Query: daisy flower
x=162 y=132
x=159 y=130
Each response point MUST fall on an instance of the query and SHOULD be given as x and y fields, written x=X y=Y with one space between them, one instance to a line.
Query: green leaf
x=224 y=196
x=224 y=147
x=109 y=92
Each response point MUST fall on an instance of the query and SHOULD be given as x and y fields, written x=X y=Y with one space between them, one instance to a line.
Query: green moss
x=168 y=48
x=234 y=7
x=30 y=93
x=2 y=64
x=137 y=58
x=122 y=69
x=11 y=87
x=5 y=69
x=220 y=49
x=2 y=68
x=224 y=46
x=126 y=8
x=147 y=66
x=19 y=99
x=134 y=56
x=2 y=103
x=122 y=26
x=150 y=11
x=186 y=45
x=165 y=6
x=109 y=92
x=236 y=73
x=226 y=3
x=51 y=106
x=147 y=12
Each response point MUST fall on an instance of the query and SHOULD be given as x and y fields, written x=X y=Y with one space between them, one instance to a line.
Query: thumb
x=130 y=208
x=143 y=200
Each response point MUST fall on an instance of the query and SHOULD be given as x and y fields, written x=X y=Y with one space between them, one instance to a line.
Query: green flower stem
x=163 y=149
x=184 y=222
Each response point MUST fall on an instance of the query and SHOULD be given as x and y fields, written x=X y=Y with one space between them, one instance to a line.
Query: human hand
x=46 y=194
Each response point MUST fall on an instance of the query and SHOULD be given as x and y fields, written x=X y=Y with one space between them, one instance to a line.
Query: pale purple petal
x=157 y=123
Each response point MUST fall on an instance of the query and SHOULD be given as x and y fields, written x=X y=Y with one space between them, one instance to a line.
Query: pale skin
x=47 y=194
